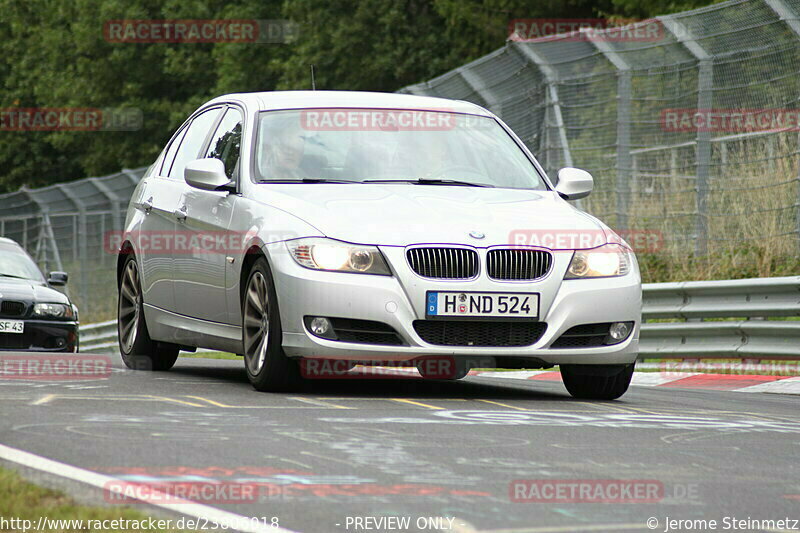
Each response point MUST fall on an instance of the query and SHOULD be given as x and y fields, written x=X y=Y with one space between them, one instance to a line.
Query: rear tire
x=597 y=382
x=268 y=368
x=138 y=350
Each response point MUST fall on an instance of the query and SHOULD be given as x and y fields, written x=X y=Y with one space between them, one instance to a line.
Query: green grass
x=26 y=501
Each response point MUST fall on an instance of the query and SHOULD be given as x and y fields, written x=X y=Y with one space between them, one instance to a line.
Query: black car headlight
x=47 y=310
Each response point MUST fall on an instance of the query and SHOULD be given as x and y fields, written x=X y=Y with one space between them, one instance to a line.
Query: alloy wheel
x=256 y=323
x=129 y=306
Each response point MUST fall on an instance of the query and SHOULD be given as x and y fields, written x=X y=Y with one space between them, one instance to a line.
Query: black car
x=33 y=316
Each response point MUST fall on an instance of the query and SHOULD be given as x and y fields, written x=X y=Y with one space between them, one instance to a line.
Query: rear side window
x=226 y=142
x=192 y=143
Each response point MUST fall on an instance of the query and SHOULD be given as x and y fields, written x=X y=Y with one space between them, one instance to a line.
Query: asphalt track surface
x=356 y=448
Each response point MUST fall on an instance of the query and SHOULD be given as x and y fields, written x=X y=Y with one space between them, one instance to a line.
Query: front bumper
x=42 y=336
x=400 y=299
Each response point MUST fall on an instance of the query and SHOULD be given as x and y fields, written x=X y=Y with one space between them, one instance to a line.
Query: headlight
x=327 y=254
x=602 y=262
x=53 y=310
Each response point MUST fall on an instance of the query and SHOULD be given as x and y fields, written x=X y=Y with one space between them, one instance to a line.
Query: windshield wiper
x=309 y=180
x=432 y=181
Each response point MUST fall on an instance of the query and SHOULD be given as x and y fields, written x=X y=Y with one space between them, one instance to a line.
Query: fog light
x=320 y=326
x=619 y=331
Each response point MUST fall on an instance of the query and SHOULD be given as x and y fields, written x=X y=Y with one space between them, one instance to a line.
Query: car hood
x=28 y=291
x=403 y=214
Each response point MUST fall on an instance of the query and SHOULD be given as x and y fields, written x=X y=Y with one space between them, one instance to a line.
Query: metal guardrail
x=718 y=319
x=722 y=319
x=99 y=337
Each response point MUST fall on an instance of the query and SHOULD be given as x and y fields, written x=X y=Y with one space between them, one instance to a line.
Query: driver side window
x=226 y=142
x=193 y=141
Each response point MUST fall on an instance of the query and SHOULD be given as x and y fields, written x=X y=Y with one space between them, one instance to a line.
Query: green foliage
x=23 y=500
x=55 y=55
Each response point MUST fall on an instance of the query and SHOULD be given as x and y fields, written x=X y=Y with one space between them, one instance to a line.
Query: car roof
x=6 y=240
x=275 y=100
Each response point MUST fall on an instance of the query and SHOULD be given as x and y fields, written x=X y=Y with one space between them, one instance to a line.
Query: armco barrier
x=722 y=319
x=99 y=337
x=717 y=319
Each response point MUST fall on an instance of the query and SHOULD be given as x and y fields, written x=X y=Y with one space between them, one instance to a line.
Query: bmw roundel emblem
x=476 y=235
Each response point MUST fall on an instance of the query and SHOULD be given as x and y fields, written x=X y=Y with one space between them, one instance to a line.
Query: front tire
x=268 y=368
x=138 y=350
x=597 y=382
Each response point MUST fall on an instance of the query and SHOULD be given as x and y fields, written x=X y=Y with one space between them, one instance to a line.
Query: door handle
x=180 y=213
x=147 y=205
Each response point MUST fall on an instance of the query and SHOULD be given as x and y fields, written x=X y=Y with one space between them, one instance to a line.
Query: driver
x=431 y=156
x=284 y=148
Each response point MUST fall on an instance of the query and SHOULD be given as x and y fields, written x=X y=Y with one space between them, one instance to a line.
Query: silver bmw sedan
x=311 y=232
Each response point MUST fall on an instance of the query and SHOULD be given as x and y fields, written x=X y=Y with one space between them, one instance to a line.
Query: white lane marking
x=44 y=399
x=781 y=386
x=654 y=379
x=319 y=403
x=522 y=374
x=789 y=385
x=107 y=483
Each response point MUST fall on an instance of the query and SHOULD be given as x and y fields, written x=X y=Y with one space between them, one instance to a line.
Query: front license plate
x=12 y=326
x=482 y=304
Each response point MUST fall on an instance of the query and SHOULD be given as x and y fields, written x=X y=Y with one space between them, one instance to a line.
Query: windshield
x=363 y=145
x=15 y=263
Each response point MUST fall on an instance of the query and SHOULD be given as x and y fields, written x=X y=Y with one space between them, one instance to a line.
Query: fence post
x=43 y=214
x=705 y=84
x=544 y=149
x=622 y=185
x=624 y=160
x=82 y=241
x=117 y=216
x=551 y=77
x=786 y=14
x=114 y=201
x=479 y=86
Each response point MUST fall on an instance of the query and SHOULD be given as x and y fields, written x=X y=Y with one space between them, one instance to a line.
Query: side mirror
x=207 y=174
x=574 y=183
x=58 y=279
